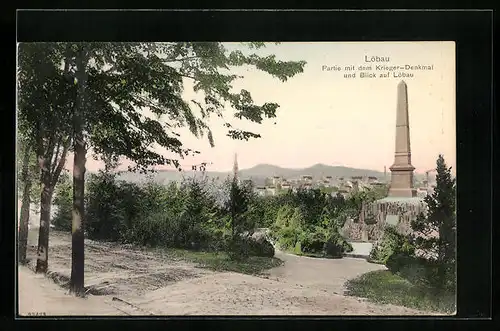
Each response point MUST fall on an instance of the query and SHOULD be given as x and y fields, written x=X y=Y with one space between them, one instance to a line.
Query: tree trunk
x=78 y=239
x=25 y=208
x=43 y=234
x=233 y=211
x=78 y=253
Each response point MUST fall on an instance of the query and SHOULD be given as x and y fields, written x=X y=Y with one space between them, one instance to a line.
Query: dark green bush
x=321 y=237
x=397 y=261
x=420 y=271
x=417 y=270
x=112 y=207
x=336 y=245
x=153 y=215
x=242 y=247
x=64 y=201
x=192 y=216
x=148 y=231
x=238 y=248
x=391 y=243
x=260 y=247
x=313 y=242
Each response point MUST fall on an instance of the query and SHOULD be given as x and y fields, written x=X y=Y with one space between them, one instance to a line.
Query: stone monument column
x=402 y=170
x=402 y=205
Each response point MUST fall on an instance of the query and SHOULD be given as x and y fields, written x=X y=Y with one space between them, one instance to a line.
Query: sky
x=326 y=118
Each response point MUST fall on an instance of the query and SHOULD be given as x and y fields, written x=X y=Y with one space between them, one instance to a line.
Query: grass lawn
x=382 y=286
x=220 y=261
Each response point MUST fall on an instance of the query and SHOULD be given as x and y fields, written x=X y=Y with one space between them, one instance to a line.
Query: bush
x=288 y=237
x=391 y=243
x=148 y=231
x=287 y=230
x=113 y=208
x=414 y=269
x=64 y=201
x=260 y=247
x=238 y=248
x=313 y=242
x=433 y=269
x=297 y=250
x=420 y=271
x=335 y=245
x=293 y=232
x=397 y=261
x=153 y=215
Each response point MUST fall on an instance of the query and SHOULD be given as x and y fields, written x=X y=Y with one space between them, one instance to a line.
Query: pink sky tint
x=326 y=118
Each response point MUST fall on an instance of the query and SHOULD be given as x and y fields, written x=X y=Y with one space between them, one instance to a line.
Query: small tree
x=237 y=207
x=434 y=233
x=196 y=213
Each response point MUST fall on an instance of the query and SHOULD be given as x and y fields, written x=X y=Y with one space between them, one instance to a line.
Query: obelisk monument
x=402 y=170
x=402 y=205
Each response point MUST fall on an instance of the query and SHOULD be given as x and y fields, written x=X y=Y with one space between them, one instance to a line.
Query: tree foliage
x=98 y=95
x=427 y=255
x=33 y=174
x=308 y=222
x=45 y=101
x=435 y=231
x=127 y=79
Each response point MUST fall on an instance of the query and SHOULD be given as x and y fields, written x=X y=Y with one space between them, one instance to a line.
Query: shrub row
x=398 y=253
x=191 y=215
x=197 y=215
x=293 y=232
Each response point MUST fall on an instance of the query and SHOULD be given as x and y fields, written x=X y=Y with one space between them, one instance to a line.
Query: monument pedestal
x=394 y=211
x=390 y=211
x=402 y=181
x=402 y=204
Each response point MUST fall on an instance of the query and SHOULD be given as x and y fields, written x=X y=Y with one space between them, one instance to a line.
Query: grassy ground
x=220 y=261
x=385 y=287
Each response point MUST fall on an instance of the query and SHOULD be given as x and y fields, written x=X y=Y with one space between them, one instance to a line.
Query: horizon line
x=273 y=165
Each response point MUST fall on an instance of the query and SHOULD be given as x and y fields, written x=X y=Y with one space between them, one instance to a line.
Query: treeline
x=193 y=214
x=203 y=214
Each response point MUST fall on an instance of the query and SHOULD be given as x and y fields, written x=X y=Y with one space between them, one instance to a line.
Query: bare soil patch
x=111 y=268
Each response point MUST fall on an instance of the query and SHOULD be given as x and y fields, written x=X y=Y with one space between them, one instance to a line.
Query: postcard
x=242 y=178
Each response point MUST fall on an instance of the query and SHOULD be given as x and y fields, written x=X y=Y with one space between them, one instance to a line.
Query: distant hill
x=317 y=171
x=259 y=172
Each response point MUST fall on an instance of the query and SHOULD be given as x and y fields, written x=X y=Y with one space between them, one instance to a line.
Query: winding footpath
x=301 y=286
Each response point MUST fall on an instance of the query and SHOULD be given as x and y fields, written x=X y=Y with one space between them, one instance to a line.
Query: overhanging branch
x=62 y=161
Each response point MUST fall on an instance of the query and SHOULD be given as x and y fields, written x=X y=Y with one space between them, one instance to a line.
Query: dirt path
x=322 y=274
x=149 y=283
x=40 y=296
